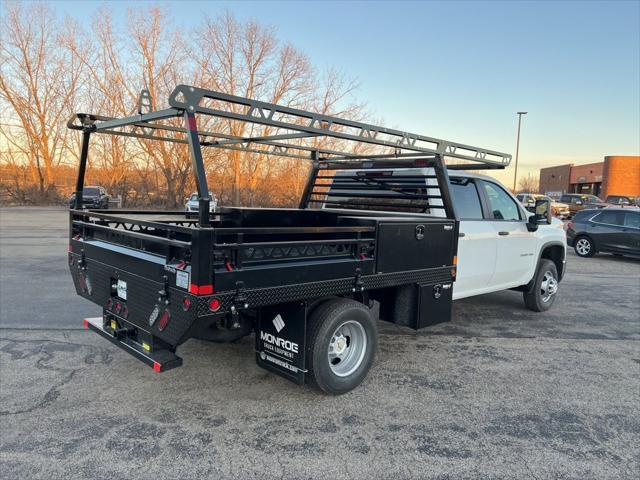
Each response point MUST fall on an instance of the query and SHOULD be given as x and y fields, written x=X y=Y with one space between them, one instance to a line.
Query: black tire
x=584 y=246
x=323 y=323
x=538 y=299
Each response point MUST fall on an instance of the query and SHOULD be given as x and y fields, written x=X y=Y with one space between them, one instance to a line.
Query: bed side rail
x=158 y=237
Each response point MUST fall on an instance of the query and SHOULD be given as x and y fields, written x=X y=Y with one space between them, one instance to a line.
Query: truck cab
x=498 y=246
x=497 y=249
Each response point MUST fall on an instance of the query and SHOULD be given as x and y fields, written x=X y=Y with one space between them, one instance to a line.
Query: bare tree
x=528 y=184
x=151 y=56
x=38 y=86
x=246 y=59
x=47 y=75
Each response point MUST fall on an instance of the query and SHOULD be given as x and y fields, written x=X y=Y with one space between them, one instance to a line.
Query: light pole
x=515 y=174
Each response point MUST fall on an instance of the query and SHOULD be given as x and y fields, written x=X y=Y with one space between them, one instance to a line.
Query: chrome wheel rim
x=583 y=246
x=347 y=347
x=549 y=286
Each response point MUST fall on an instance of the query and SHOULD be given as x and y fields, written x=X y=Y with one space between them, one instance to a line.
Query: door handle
x=461 y=234
x=502 y=234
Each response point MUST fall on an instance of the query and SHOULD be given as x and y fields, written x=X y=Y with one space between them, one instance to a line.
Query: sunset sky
x=460 y=70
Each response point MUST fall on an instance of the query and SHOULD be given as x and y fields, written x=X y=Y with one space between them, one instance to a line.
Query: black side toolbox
x=434 y=304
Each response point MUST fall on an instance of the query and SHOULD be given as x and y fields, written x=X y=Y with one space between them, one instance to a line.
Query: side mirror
x=541 y=216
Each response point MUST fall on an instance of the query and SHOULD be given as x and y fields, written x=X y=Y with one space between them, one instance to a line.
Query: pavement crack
x=45 y=340
x=279 y=460
x=43 y=357
x=52 y=394
x=526 y=465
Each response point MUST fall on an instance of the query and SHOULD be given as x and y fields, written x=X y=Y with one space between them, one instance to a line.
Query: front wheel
x=341 y=345
x=545 y=286
x=584 y=247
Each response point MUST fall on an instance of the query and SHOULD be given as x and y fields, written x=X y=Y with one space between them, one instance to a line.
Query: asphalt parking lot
x=499 y=392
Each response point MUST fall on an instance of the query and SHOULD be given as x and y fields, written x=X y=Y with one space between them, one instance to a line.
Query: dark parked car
x=92 y=197
x=614 y=230
x=579 y=201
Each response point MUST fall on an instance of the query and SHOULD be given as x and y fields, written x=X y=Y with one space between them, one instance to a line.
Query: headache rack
x=293 y=133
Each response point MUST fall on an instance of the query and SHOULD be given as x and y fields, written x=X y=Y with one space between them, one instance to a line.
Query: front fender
x=560 y=261
x=547 y=251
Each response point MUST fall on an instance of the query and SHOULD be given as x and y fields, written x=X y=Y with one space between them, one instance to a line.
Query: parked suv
x=578 y=201
x=614 y=230
x=92 y=197
x=558 y=209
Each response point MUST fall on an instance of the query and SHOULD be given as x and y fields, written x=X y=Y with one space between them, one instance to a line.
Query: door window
x=632 y=219
x=612 y=217
x=502 y=205
x=465 y=198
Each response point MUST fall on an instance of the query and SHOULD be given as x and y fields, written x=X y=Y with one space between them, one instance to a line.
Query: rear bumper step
x=160 y=360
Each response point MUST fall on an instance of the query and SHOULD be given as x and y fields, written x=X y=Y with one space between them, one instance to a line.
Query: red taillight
x=214 y=304
x=201 y=289
x=118 y=307
x=164 y=320
x=86 y=323
x=156 y=366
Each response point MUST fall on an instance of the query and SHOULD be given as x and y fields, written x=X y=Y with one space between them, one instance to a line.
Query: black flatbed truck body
x=264 y=269
x=162 y=278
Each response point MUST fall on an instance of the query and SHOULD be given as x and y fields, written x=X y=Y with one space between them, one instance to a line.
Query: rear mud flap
x=280 y=340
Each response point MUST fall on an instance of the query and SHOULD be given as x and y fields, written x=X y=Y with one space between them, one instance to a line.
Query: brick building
x=617 y=175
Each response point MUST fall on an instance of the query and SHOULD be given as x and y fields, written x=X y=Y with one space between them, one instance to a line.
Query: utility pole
x=515 y=174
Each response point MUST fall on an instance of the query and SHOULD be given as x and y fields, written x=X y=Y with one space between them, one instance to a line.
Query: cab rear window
x=465 y=199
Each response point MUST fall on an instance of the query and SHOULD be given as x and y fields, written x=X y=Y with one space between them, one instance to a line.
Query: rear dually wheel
x=341 y=345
